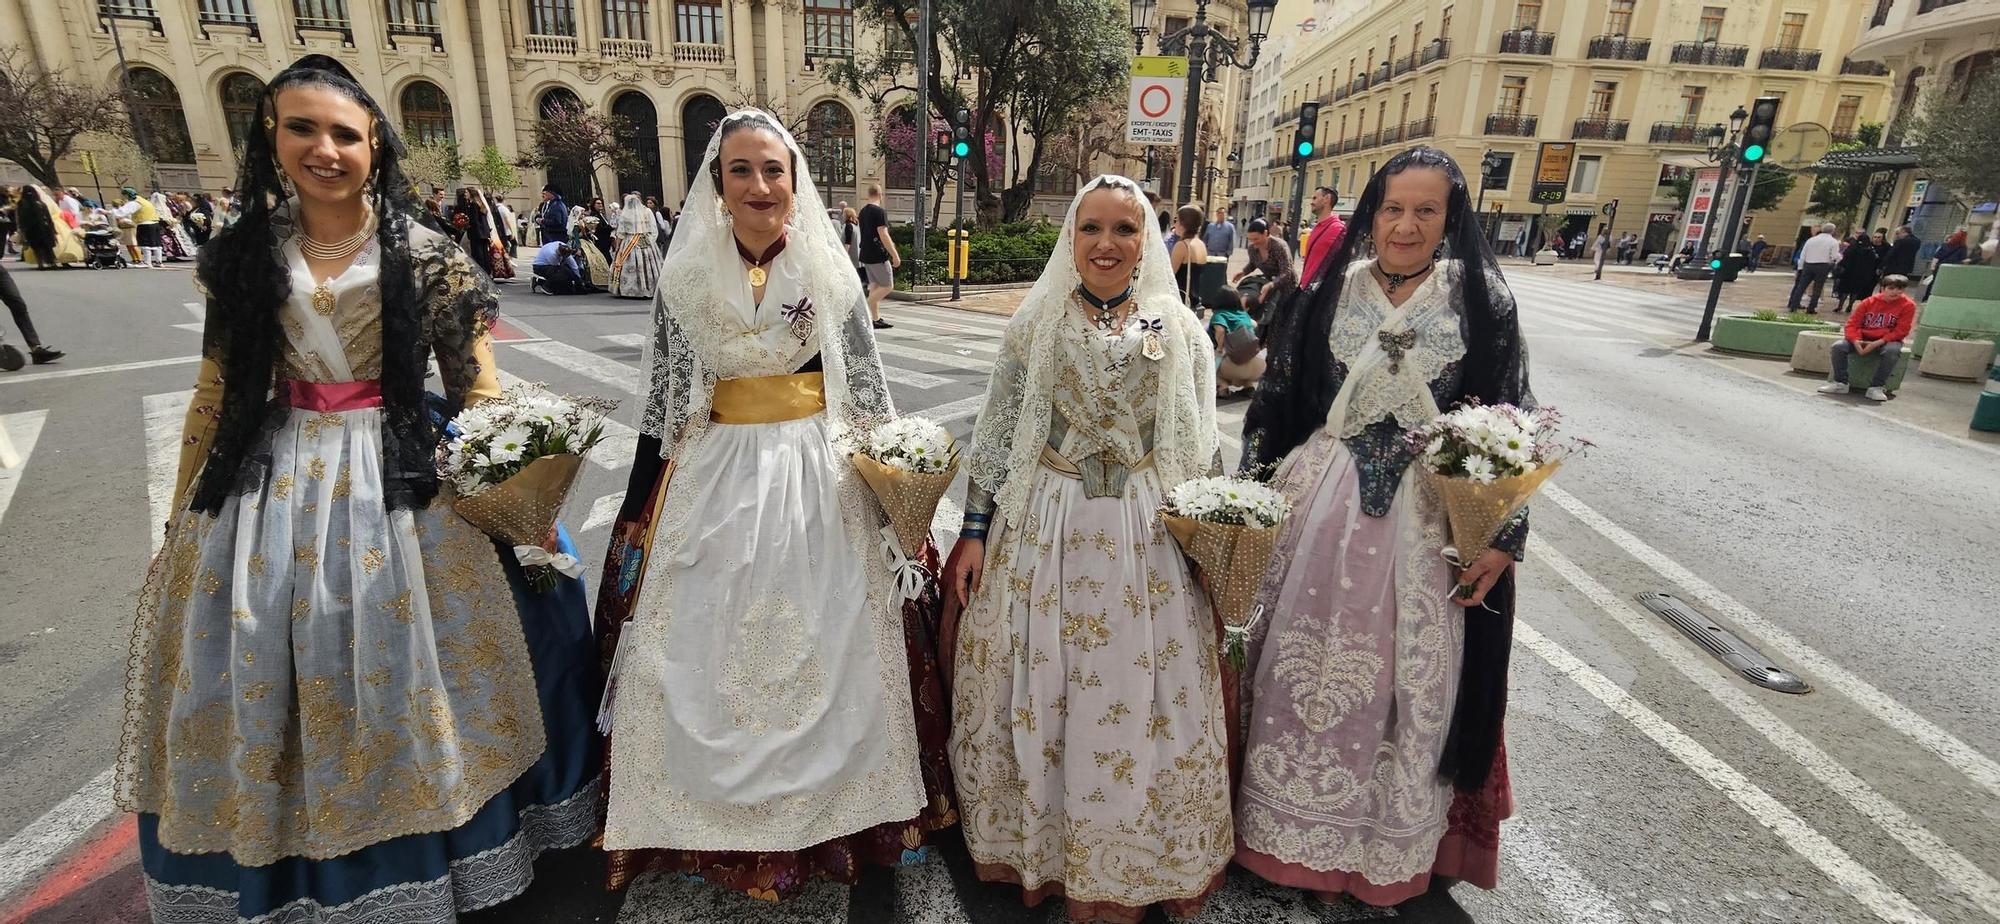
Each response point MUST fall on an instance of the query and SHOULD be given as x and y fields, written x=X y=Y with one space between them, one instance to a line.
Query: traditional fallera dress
x=1088 y=730
x=776 y=710
x=1354 y=670
x=636 y=269
x=340 y=711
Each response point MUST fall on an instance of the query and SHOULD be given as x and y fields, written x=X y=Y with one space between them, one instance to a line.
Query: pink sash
x=331 y=397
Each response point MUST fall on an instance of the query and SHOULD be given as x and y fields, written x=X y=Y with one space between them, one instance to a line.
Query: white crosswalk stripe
x=21 y=432
x=163 y=415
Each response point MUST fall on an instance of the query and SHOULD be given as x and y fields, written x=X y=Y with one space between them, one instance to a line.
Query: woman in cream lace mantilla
x=345 y=705
x=774 y=716
x=1087 y=707
x=1372 y=756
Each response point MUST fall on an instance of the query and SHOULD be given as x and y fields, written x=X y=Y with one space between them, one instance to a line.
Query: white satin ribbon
x=910 y=575
x=534 y=555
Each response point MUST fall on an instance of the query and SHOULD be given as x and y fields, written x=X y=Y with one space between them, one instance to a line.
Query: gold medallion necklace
x=757 y=273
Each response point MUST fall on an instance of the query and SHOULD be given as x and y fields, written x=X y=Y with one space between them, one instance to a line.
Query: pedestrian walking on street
x=1102 y=399
x=1902 y=257
x=1816 y=259
x=1327 y=233
x=1757 y=254
x=10 y=355
x=775 y=710
x=48 y=240
x=1878 y=327
x=637 y=269
x=345 y=702
x=879 y=257
x=552 y=216
x=1188 y=256
x=8 y=197
x=1600 y=250
x=1854 y=276
x=1953 y=251
x=1219 y=236
x=1405 y=778
x=139 y=224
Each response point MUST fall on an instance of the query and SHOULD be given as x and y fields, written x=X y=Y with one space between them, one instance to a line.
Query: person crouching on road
x=1879 y=324
x=557 y=271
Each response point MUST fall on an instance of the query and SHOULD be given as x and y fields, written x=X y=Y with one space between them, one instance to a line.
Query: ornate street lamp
x=1208 y=51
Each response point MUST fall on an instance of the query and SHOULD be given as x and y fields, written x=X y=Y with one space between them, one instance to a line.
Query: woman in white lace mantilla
x=762 y=697
x=1374 y=696
x=1088 y=735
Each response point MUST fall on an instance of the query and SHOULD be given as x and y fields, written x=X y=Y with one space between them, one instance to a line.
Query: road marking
x=1568 y=338
x=1948 y=747
x=200 y=313
x=603 y=512
x=98 y=370
x=164 y=414
x=954 y=410
x=1565 y=888
x=22 y=430
x=1949 y=864
x=1560 y=319
x=1855 y=879
x=53 y=834
x=635 y=341
x=979 y=364
x=583 y=362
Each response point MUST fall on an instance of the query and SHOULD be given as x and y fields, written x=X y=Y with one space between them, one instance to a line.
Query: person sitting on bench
x=1878 y=326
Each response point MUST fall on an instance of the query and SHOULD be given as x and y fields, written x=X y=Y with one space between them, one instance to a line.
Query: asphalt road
x=1651 y=786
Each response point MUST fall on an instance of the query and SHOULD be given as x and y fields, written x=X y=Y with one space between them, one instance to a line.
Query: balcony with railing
x=1407 y=64
x=135 y=10
x=1789 y=59
x=1381 y=75
x=414 y=17
x=1678 y=133
x=1599 y=129
x=1350 y=145
x=1511 y=123
x=625 y=49
x=1421 y=128
x=1710 y=54
x=1619 y=48
x=1843 y=136
x=1359 y=83
x=1391 y=135
x=558 y=45
x=700 y=53
x=1340 y=92
x=1863 y=68
x=1437 y=50
x=1527 y=42
x=322 y=16
x=236 y=13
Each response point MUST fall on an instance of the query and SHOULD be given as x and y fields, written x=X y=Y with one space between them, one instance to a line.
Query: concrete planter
x=1744 y=334
x=1813 y=351
x=1959 y=360
x=1545 y=258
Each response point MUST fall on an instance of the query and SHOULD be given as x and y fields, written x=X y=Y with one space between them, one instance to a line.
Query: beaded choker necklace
x=1105 y=314
x=757 y=273
x=1396 y=280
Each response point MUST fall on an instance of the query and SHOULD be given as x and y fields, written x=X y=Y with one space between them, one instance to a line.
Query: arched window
x=157 y=104
x=700 y=117
x=240 y=93
x=830 y=145
x=636 y=108
x=426 y=113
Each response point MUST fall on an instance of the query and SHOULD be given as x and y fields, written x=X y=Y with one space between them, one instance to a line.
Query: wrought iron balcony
x=1789 y=59
x=1710 y=54
x=1619 y=48
x=1340 y=92
x=1527 y=42
x=1350 y=145
x=1421 y=128
x=1864 y=68
x=1359 y=84
x=1391 y=135
x=1679 y=133
x=1406 y=64
x=1600 y=129
x=415 y=17
x=1437 y=50
x=1511 y=123
x=1381 y=75
x=551 y=44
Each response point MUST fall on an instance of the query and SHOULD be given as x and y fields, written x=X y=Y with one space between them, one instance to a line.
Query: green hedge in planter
x=1759 y=336
x=1005 y=253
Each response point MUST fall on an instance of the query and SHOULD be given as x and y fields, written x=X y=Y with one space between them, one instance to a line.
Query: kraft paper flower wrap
x=513 y=460
x=909 y=462
x=1485 y=463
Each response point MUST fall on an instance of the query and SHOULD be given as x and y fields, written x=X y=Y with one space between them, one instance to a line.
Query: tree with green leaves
x=47 y=111
x=580 y=135
x=1040 y=64
x=1773 y=185
x=1956 y=130
x=432 y=163
x=492 y=171
x=1837 y=194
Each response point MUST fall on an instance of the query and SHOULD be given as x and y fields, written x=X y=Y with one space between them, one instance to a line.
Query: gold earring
x=270 y=123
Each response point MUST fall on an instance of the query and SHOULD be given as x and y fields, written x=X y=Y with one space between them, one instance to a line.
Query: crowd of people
x=395 y=720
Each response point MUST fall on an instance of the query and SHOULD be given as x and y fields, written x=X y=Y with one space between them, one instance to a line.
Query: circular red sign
x=1146 y=98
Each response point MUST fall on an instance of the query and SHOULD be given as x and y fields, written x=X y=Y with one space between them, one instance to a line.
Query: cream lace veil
x=1010 y=434
x=689 y=306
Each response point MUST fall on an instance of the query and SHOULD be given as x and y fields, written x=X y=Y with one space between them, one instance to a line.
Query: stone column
x=673 y=162
x=51 y=45
x=739 y=38
x=495 y=52
x=466 y=106
x=274 y=29
x=777 y=57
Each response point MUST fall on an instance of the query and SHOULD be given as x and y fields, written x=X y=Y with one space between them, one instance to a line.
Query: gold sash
x=768 y=398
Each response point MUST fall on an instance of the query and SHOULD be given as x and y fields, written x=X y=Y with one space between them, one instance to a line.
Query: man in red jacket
x=1327 y=232
x=1878 y=326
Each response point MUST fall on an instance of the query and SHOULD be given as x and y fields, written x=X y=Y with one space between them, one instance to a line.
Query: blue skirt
x=430 y=877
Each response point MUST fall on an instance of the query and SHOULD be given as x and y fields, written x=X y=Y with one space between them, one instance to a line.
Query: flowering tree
x=568 y=133
x=900 y=144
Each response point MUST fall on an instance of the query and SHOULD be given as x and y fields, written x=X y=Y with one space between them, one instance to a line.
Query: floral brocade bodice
x=1106 y=391
x=333 y=329
x=1382 y=450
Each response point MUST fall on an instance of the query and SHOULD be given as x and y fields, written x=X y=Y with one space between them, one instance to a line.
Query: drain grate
x=1733 y=652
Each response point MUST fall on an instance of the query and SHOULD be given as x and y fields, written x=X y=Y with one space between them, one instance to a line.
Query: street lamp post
x=1208 y=51
x=1722 y=150
x=1488 y=163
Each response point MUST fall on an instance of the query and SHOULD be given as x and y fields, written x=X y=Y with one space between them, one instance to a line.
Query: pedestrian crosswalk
x=1564 y=308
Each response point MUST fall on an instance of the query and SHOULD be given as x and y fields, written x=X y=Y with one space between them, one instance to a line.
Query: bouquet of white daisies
x=1486 y=461
x=1228 y=526
x=909 y=461
x=512 y=461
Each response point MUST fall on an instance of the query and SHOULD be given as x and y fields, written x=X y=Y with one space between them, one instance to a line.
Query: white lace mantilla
x=1379 y=385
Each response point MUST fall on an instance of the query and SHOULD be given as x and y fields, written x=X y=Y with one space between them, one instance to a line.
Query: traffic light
x=1757 y=132
x=1302 y=139
x=961 y=135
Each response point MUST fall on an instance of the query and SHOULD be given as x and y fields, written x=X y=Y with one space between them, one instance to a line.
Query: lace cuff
x=1513 y=536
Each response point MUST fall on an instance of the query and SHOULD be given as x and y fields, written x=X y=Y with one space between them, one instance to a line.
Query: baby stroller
x=103 y=249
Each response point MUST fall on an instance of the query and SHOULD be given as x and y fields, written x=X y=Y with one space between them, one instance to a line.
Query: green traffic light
x=1305 y=149
x=1753 y=153
x=1715 y=264
x=961 y=149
